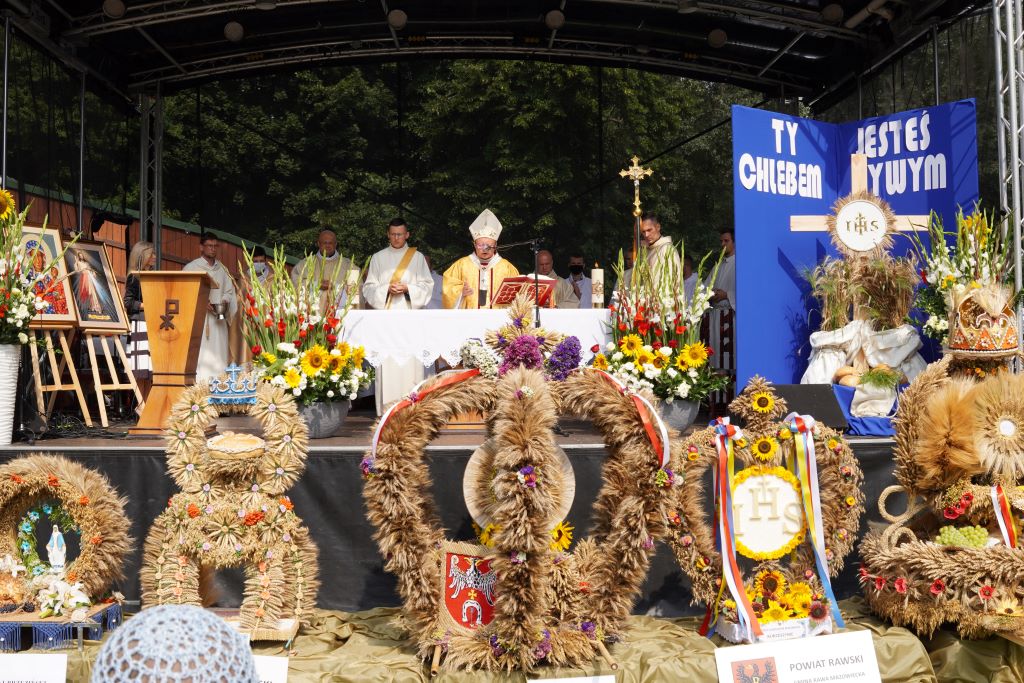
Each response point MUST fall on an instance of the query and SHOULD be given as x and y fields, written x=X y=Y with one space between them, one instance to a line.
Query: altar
x=432 y=334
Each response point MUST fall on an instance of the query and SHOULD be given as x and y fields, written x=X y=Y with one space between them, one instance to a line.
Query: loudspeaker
x=816 y=400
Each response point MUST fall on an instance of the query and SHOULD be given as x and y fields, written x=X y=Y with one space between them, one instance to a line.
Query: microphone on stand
x=535 y=246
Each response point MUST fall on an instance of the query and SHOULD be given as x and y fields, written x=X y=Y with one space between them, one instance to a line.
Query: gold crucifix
x=636 y=174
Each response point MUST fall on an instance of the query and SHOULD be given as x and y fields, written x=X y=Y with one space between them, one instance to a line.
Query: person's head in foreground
x=175 y=644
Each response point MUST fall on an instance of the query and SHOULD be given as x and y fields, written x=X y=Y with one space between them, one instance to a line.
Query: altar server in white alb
x=398 y=279
x=214 y=351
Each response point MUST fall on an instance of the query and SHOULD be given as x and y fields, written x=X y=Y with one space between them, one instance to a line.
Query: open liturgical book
x=512 y=286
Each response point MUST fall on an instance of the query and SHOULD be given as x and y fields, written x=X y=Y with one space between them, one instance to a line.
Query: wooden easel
x=57 y=368
x=115 y=383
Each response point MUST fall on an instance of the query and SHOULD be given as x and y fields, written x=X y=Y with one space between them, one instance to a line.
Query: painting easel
x=115 y=383
x=57 y=369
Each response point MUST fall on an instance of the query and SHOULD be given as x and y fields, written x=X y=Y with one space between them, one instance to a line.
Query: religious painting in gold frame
x=43 y=247
x=96 y=296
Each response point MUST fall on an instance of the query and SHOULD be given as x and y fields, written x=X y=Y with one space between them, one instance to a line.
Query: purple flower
x=527 y=477
x=564 y=359
x=589 y=628
x=524 y=351
x=368 y=466
x=518 y=322
x=543 y=648
x=496 y=647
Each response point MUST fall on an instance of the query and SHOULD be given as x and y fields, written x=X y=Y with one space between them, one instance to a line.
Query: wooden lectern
x=175 y=304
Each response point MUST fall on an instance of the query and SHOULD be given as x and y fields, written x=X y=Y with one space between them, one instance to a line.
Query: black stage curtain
x=329 y=499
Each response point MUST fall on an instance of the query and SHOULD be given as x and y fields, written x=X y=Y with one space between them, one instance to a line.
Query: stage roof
x=780 y=47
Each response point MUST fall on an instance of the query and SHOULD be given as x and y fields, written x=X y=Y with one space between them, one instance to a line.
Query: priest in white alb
x=214 y=349
x=662 y=258
x=326 y=270
x=563 y=296
x=397 y=279
x=472 y=281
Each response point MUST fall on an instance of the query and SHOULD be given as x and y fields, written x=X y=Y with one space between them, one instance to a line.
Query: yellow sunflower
x=268 y=358
x=600 y=362
x=659 y=361
x=799 y=590
x=358 y=354
x=486 y=535
x=337 y=364
x=630 y=344
x=561 y=537
x=344 y=349
x=292 y=377
x=314 y=360
x=770 y=582
x=765 y=448
x=696 y=354
x=774 y=612
x=762 y=402
x=643 y=356
x=6 y=205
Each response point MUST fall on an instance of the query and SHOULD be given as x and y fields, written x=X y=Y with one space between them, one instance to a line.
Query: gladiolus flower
x=257 y=350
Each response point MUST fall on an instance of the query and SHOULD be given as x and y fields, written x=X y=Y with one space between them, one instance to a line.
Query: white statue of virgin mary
x=56 y=551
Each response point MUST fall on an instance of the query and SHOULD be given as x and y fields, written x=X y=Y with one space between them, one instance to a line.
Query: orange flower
x=96 y=540
x=260 y=612
x=72 y=577
x=177 y=591
x=262 y=566
x=182 y=560
x=253 y=518
x=84 y=500
x=286 y=504
x=16 y=479
x=53 y=481
x=584 y=587
x=193 y=510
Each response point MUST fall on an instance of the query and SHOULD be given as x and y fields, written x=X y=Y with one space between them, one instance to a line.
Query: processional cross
x=636 y=173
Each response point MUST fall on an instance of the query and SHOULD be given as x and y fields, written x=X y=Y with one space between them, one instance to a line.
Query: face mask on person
x=259 y=268
x=576 y=270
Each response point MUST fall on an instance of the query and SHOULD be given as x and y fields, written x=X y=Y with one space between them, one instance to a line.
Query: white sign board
x=271 y=669
x=34 y=668
x=839 y=658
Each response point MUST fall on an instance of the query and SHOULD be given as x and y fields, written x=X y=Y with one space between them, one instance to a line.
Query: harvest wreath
x=524 y=603
x=793 y=456
x=953 y=554
x=233 y=512
x=83 y=496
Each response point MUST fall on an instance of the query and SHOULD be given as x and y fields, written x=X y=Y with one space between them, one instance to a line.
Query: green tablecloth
x=366 y=646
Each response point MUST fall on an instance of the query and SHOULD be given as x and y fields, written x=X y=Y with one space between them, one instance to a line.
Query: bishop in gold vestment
x=473 y=280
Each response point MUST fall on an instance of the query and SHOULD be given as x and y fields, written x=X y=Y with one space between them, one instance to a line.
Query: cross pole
x=636 y=173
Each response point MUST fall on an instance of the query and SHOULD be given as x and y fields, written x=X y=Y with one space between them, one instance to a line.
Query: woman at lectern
x=142 y=257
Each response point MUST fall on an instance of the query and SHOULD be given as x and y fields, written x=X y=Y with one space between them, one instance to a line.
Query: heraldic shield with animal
x=469 y=585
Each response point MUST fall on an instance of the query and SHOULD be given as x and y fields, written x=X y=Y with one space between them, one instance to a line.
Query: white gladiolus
x=22 y=338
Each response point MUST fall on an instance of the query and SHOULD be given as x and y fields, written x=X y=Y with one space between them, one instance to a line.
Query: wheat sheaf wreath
x=87 y=498
x=232 y=512
x=550 y=607
x=960 y=464
x=766 y=442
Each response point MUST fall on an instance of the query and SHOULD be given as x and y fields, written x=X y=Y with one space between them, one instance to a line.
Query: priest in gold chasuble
x=473 y=280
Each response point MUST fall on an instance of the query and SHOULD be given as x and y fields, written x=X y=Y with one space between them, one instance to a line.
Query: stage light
x=717 y=38
x=234 y=31
x=832 y=13
x=114 y=9
x=555 y=19
x=397 y=19
x=265 y=4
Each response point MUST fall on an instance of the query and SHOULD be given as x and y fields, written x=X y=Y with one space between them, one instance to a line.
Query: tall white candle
x=597 y=283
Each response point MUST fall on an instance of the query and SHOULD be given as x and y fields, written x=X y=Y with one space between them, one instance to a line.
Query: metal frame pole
x=81 y=157
x=935 y=62
x=7 y=61
x=151 y=134
x=997 y=38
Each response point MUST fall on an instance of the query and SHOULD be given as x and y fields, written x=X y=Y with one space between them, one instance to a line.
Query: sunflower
x=561 y=537
x=314 y=360
x=765 y=448
x=774 y=612
x=358 y=354
x=268 y=358
x=6 y=205
x=486 y=535
x=659 y=361
x=696 y=354
x=762 y=402
x=643 y=356
x=337 y=364
x=292 y=377
x=600 y=362
x=680 y=362
x=1008 y=607
x=630 y=344
x=818 y=611
x=799 y=590
x=770 y=582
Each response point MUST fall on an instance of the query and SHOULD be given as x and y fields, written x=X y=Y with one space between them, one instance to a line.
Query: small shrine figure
x=56 y=549
x=9 y=564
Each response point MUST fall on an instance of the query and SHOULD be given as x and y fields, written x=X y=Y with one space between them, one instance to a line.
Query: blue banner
x=919 y=161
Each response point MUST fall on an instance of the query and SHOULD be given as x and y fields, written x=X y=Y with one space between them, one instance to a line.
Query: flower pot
x=324 y=418
x=679 y=414
x=10 y=360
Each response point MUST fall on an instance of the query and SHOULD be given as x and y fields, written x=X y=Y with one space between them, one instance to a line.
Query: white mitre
x=486 y=225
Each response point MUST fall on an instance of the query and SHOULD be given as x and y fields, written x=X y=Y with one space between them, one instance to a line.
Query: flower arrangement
x=57 y=597
x=295 y=338
x=23 y=291
x=979 y=256
x=774 y=598
x=656 y=334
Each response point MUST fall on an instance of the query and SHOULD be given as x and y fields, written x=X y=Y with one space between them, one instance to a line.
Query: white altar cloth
x=432 y=334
